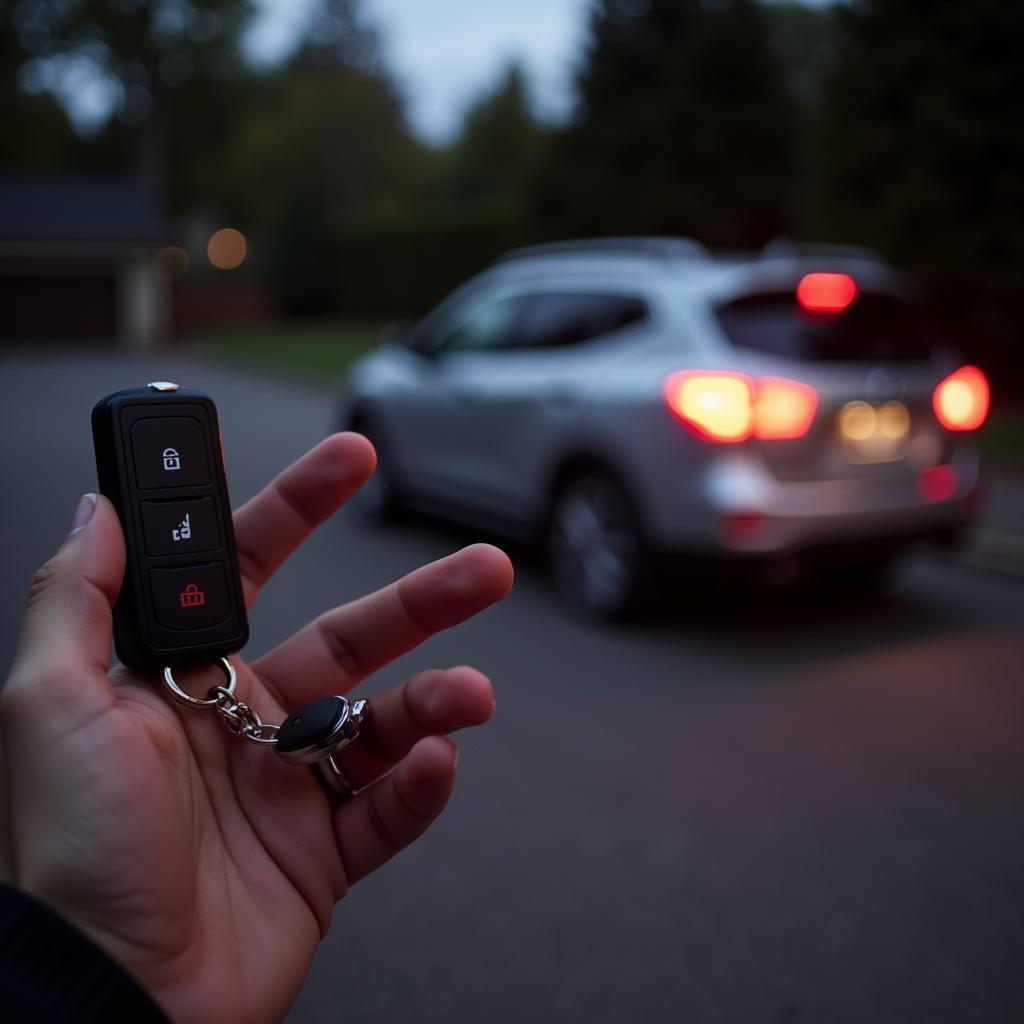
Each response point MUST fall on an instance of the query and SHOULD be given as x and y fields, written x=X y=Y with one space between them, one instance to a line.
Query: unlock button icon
x=191 y=597
x=172 y=460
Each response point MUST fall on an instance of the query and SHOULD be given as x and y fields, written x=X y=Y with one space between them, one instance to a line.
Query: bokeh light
x=894 y=420
x=226 y=249
x=961 y=400
x=857 y=421
x=170 y=263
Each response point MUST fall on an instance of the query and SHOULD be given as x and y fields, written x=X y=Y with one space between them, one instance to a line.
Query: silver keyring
x=198 y=702
x=336 y=781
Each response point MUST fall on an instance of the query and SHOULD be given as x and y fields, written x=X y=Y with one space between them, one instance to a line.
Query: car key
x=159 y=461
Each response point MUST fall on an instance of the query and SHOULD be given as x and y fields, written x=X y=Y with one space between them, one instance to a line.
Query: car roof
x=687 y=265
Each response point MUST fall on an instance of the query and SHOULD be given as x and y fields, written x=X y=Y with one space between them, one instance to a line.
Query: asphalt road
x=804 y=812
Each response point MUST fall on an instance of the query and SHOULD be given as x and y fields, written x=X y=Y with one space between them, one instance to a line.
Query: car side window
x=558 y=319
x=490 y=326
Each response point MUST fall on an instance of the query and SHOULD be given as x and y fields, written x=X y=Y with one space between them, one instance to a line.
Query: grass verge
x=316 y=352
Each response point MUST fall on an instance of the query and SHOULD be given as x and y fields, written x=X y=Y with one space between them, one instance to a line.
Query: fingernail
x=83 y=512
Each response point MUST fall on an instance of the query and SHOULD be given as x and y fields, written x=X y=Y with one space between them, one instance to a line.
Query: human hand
x=205 y=865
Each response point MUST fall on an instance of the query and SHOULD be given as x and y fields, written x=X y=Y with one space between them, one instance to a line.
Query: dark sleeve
x=51 y=974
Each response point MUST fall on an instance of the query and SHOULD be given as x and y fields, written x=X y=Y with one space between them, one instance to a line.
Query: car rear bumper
x=736 y=506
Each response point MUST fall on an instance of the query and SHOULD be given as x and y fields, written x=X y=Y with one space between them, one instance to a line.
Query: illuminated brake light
x=961 y=400
x=783 y=408
x=826 y=293
x=729 y=407
x=718 y=406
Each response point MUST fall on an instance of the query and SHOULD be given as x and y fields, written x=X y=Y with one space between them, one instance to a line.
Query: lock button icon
x=191 y=597
x=172 y=460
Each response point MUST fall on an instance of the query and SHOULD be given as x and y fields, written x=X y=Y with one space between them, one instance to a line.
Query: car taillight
x=718 y=406
x=961 y=400
x=729 y=407
x=783 y=408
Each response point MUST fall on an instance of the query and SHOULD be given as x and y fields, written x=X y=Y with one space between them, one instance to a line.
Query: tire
x=379 y=499
x=597 y=555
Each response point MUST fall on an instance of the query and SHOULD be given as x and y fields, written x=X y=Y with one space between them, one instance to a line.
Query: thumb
x=65 y=635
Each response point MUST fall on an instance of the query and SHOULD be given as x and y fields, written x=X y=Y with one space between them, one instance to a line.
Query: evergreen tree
x=924 y=145
x=925 y=139
x=325 y=149
x=496 y=154
x=142 y=53
x=684 y=126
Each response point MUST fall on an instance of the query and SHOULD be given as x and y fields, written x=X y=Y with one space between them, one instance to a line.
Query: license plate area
x=870 y=433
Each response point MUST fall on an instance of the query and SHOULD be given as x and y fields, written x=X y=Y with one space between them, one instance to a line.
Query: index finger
x=270 y=526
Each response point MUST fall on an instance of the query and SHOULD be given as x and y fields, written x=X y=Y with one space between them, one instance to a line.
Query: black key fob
x=159 y=461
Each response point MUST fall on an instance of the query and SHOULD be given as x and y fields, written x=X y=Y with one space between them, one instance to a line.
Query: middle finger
x=270 y=526
x=343 y=646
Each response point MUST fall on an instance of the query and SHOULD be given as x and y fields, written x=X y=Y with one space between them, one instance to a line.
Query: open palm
x=204 y=864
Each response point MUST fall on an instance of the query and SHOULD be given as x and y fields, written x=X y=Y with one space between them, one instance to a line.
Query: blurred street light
x=226 y=249
x=170 y=263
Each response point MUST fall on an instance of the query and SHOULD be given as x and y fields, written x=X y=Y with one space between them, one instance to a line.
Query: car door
x=434 y=426
x=517 y=399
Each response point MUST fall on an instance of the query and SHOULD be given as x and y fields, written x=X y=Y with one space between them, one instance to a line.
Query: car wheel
x=596 y=551
x=379 y=498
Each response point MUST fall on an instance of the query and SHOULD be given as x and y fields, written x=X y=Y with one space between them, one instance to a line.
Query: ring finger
x=431 y=703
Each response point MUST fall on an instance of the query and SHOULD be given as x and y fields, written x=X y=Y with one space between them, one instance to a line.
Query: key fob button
x=170 y=451
x=191 y=597
x=178 y=527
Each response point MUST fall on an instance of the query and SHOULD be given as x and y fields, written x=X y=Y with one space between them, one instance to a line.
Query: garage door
x=58 y=308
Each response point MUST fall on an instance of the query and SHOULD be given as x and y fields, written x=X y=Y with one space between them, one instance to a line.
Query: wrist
x=50 y=970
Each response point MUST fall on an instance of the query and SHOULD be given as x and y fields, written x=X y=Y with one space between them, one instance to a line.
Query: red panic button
x=190 y=596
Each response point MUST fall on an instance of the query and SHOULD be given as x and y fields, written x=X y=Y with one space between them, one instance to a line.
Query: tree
x=496 y=154
x=683 y=126
x=36 y=130
x=806 y=43
x=925 y=157
x=324 y=149
x=139 y=54
x=336 y=36
x=926 y=139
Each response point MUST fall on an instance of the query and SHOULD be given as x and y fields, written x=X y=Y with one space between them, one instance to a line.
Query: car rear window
x=872 y=328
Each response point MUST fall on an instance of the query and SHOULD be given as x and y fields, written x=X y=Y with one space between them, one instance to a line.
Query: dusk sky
x=444 y=53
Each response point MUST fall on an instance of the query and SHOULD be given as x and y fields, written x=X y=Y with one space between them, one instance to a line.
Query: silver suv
x=621 y=400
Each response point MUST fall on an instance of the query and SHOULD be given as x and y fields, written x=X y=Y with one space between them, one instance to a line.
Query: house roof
x=79 y=209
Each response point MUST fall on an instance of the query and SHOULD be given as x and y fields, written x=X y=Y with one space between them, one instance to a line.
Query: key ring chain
x=312 y=736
